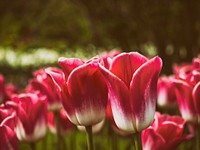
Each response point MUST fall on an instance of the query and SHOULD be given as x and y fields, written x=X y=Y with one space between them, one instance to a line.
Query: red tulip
x=166 y=94
x=185 y=101
x=84 y=92
x=187 y=90
x=31 y=120
x=7 y=128
x=43 y=83
x=6 y=90
x=65 y=124
x=165 y=133
x=132 y=82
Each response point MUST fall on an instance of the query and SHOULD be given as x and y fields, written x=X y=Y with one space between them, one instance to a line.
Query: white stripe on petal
x=39 y=131
x=146 y=119
x=123 y=122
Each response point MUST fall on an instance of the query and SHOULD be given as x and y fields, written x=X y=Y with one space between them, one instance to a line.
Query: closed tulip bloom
x=6 y=90
x=7 y=133
x=83 y=89
x=166 y=94
x=165 y=133
x=187 y=91
x=31 y=113
x=185 y=100
x=7 y=127
x=132 y=83
x=43 y=83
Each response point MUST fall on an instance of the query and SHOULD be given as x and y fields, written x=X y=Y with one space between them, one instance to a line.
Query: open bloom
x=31 y=122
x=132 y=83
x=83 y=89
x=7 y=128
x=166 y=133
x=43 y=83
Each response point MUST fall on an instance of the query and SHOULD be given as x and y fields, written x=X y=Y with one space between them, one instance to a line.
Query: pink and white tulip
x=7 y=128
x=187 y=84
x=31 y=122
x=42 y=82
x=83 y=89
x=166 y=133
x=132 y=83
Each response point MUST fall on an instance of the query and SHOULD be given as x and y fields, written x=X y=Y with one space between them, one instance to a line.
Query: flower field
x=111 y=100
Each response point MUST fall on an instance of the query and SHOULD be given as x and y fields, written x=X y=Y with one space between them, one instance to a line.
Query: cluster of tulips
x=124 y=88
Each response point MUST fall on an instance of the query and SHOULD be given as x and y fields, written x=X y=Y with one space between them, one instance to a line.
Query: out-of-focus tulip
x=31 y=122
x=6 y=90
x=7 y=128
x=83 y=89
x=44 y=84
x=65 y=124
x=187 y=84
x=166 y=94
x=166 y=133
x=132 y=82
x=185 y=101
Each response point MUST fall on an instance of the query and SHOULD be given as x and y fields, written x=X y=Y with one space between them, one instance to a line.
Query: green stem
x=89 y=137
x=197 y=137
x=138 y=141
x=58 y=131
x=33 y=146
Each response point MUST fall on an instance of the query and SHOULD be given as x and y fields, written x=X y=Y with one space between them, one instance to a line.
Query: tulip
x=84 y=92
x=31 y=122
x=43 y=83
x=166 y=94
x=166 y=133
x=6 y=90
x=7 y=127
x=187 y=92
x=185 y=100
x=132 y=83
x=8 y=137
x=186 y=88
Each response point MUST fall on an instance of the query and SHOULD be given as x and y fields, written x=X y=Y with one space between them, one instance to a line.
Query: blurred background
x=50 y=28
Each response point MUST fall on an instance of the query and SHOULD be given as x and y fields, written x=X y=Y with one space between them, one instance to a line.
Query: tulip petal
x=119 y=101
x=151 y=140
x=143 y=92
x=184 y=97
x=88 y=94
x=69 y=64
x=125 y=64
x=57 y=77
x=196 y=97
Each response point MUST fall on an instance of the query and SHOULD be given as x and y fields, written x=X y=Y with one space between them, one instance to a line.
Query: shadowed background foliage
x=171 y=27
